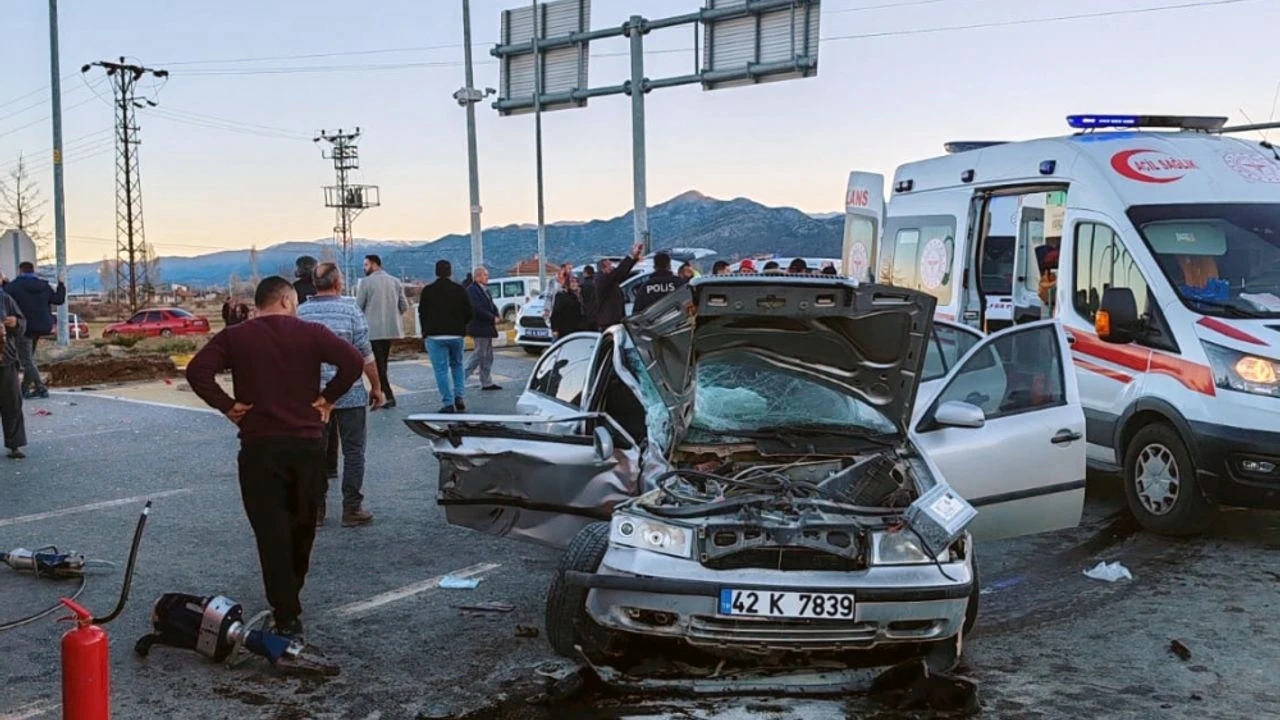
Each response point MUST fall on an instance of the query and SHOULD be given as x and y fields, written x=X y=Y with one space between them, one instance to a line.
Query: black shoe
x=459 y=405
x=291 y=629
x=389 y=404
x=447 y=410
x=43 y=394
x=491 y=387
x=16 y=454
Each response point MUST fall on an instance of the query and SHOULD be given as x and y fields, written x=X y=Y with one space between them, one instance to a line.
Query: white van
x=512 y=293
x=1155 y=241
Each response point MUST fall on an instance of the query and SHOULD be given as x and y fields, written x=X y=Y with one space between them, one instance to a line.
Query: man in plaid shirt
x=350 y=413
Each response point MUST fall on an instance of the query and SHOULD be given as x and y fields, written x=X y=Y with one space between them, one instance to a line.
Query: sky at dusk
x=896 y=79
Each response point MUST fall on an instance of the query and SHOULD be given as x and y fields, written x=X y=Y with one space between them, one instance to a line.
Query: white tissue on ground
x=1109 y=572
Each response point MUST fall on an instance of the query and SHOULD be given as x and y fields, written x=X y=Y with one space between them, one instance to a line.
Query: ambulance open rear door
x=864 y=210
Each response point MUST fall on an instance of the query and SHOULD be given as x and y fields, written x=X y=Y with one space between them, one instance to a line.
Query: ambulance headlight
x=1235 y=370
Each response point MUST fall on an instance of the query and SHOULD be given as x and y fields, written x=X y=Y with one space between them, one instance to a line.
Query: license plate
x=538 y=333
x=765 y=603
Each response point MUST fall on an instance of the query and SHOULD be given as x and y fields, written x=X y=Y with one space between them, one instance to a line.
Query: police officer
x=660 y=284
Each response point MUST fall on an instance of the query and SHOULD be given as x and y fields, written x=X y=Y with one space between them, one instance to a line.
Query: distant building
x=530 y=267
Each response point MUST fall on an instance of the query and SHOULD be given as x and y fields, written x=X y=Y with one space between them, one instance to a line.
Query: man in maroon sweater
x=275 y=361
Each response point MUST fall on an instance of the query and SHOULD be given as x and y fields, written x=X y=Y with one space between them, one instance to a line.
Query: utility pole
x=348 y=199
x=468 y=97
x=537 y=141
x=131 y=270
x=636 y=29
x=59 y=212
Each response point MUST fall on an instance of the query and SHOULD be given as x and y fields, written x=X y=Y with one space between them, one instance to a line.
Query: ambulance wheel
x=568 y=624
x=1160 y=483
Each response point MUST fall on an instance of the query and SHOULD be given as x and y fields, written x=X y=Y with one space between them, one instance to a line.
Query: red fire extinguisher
x=86 y=683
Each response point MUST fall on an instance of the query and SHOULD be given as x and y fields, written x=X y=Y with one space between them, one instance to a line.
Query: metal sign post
x=745 y=42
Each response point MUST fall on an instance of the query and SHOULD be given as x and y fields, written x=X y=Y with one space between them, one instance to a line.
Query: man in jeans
x=34 y=296
x=341 y=315
x=275 y=361
x=483 y=329
x=444 y=312
x=381 y=299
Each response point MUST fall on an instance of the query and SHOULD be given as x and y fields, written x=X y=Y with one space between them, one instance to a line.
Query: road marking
x=152 y=403
x=35 y=709
x=377 y=601
x=5 y=522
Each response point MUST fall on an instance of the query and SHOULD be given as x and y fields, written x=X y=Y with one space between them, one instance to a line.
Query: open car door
x=522 y=476
x=1006 y=430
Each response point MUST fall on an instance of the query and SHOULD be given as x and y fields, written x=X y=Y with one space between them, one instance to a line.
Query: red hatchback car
x=160 y=322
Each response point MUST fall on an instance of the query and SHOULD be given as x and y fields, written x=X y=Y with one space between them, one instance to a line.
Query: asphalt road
x=1050 y=643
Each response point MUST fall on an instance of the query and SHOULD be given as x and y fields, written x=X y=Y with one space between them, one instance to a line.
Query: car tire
x=509 y=315
x=166 y=333
x=971 y=609
x=532 y=349
x=567 y=622
x=1189 y=513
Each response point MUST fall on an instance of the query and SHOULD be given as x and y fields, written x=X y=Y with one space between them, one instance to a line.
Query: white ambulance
x=1155 y=242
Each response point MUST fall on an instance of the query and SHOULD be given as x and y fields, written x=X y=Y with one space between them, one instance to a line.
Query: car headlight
x=898 y=548
x=645 y=534
x=1235 y=370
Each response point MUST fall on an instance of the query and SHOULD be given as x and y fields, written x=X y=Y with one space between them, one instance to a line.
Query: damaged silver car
x=745 y=467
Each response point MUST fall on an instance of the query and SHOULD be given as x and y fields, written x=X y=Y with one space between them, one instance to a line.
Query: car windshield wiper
x=1230 y=308
x=796 y=434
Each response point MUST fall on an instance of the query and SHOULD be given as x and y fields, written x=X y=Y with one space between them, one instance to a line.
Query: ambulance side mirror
x=1117 y=319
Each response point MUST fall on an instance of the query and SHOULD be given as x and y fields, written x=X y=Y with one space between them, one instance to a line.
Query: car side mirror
x=959 y=414
x=1117 y=318
x=603 y=444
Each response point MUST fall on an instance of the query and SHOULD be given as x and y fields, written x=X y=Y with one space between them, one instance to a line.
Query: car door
x=517 y=477
x=1021 y=462
x=948 y=344
x=558 y=384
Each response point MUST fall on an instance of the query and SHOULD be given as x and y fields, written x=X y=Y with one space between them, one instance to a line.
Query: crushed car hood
x=865 y=340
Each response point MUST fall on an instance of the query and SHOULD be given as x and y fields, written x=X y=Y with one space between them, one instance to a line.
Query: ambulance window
x=1102 y=261
x=904 y=258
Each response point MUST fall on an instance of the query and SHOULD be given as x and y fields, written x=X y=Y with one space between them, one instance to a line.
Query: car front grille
x=532 y=321
x=784 y=559
x=777 y=633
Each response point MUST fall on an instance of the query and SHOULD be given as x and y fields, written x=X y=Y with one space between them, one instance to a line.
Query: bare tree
x=22 y=207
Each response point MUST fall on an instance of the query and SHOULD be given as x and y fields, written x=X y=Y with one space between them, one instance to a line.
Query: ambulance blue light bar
x=1174 y=122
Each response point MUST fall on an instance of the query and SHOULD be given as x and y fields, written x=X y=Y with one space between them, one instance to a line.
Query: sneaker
x=447 y=410
x=43 y=394
x=461 y=406
x=357 y=517
x=291 y=629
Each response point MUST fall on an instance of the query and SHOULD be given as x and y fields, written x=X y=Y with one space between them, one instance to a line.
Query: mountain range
x=733 y=228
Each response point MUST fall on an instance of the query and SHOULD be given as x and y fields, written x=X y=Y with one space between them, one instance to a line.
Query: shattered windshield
x=742 y=392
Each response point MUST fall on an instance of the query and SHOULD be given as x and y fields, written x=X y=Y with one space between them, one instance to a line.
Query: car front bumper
x=1221 y=453
x=654 y=595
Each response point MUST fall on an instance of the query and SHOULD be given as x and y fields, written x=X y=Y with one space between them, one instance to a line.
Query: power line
x=218 y=123
x=407 y=65
x=24 y=96
x=37 y=121
x=45 y=153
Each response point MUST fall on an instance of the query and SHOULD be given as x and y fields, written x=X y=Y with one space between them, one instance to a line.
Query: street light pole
x=537 y=132
x=59 y=214
x=468 y=97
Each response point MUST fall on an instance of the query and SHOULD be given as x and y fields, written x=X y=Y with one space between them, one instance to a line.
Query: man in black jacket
x=12 y=328
x=34 y=296
x=444 y=310
x=587 y=287
x=610 y=305
x=660 y=284
x=305 y=285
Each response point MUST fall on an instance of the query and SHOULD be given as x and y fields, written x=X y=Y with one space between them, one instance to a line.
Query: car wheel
x=971 y=610
x=568 y=624
x=509 y=315
x=1160 y=483
x=166 y=333
x=533 y=349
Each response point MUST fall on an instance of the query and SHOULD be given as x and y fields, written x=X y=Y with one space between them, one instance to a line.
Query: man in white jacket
x=381 y=299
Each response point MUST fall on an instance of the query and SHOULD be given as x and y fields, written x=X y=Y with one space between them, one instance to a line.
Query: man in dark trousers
x=305 y=285
x=275 y=362
x=444 y=311
x=34 y=296
x=483 y=328
x=610 y=305
x=660 y=284
x=13 y=327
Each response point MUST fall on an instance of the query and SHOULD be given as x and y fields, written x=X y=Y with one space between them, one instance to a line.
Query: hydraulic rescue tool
x=215 y=627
